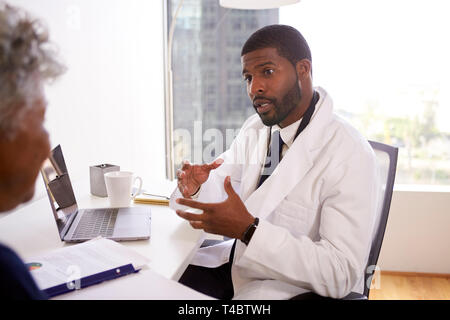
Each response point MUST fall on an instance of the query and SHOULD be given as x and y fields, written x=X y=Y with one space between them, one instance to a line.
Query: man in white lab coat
x=296 y=191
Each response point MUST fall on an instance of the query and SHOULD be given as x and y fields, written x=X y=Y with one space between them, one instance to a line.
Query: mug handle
x=140 y=187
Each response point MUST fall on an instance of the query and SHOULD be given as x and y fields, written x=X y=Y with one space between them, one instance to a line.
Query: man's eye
x=268 y=72
x=247 y=78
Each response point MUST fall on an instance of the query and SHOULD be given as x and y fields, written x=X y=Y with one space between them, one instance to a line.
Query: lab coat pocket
x=292 y=216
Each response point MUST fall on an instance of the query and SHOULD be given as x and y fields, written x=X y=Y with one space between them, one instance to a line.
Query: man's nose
x=257 y=87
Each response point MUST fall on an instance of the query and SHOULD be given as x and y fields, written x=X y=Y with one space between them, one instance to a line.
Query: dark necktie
x=273 y=157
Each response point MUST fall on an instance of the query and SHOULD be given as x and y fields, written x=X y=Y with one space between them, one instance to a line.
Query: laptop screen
x=59 y=190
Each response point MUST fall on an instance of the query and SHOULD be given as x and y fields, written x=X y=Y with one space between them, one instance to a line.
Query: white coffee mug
x=119 y=185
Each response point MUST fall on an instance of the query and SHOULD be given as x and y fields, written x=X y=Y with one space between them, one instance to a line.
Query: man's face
x=22 y=157
x=272 y=85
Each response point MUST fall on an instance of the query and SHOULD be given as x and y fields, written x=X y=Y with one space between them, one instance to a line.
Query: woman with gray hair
x=26 y=62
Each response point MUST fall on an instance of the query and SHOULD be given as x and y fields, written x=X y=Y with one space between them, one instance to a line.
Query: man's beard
x=288 y=103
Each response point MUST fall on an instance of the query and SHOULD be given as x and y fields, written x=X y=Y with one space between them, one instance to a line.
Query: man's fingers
x=196 y=224
x=180 y=174
x=228 y=187
x=191 y=217
x=183 y=191
x=214 y=165
x=193 y=204
x=181 y=177
x=186 y=165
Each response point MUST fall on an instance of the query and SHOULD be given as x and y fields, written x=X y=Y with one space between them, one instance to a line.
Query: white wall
x=109 y=106
x=417 y=237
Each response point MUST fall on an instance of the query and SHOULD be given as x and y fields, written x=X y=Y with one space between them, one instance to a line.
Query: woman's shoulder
x=16 y=281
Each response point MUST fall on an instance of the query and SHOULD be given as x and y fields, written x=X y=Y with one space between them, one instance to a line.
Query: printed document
x=71 y=263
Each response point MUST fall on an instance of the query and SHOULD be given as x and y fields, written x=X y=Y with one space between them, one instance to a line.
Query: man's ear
x=303 y=69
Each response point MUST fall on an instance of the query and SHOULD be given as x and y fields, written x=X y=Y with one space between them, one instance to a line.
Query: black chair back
x=387 y=166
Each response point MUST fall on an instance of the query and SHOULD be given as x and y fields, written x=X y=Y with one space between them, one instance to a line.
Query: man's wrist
x=248 y=233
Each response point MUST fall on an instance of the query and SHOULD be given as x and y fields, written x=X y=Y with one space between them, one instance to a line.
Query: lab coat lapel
x=253 y=168
x=295 y=164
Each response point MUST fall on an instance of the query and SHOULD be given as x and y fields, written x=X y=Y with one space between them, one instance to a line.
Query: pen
x=155 y=195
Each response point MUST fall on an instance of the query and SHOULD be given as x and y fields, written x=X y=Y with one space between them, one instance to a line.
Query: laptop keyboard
x=95 y=223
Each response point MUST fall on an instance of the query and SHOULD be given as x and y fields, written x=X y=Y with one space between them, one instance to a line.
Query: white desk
x=32 y=231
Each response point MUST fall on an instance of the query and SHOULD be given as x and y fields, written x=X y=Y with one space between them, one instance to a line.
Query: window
x=384 y=63
x=207 y=47
x=386 y=66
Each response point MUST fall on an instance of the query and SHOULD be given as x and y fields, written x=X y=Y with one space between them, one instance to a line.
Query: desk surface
x=32 y=231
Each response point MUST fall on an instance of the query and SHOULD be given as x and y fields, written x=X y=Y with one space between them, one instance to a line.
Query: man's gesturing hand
x=192 y=176
x=229 y=218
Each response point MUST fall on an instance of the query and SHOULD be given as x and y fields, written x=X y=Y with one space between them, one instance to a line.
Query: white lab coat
x=316 y=210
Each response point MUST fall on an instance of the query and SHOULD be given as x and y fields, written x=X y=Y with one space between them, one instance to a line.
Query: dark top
x=16 y=283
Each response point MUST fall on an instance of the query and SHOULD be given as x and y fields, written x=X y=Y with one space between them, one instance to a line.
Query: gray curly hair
x=26 y=59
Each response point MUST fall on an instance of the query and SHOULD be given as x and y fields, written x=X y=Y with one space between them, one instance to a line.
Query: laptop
x=77 y=225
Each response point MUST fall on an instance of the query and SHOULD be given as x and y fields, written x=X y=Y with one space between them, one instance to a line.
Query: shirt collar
x=287 y=133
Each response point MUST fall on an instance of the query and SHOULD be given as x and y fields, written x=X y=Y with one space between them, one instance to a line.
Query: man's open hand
x=229 y=218
x=192 y=176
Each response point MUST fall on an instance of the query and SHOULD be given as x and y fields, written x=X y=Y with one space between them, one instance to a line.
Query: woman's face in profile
x=22 y=156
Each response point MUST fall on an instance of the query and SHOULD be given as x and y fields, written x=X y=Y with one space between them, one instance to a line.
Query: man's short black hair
x=288 y=41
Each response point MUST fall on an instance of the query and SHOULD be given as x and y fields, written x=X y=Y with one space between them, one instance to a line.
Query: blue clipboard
x=90 y=280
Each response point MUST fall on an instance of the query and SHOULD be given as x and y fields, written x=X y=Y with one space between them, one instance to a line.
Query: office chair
x=387 y=165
